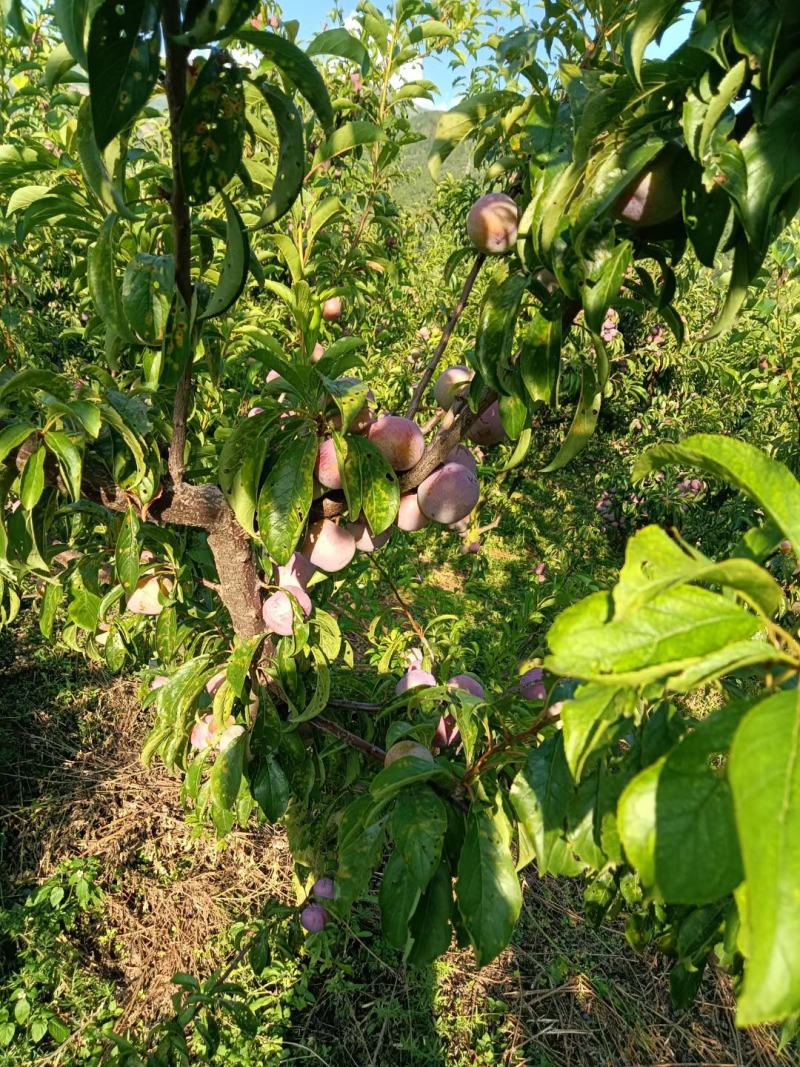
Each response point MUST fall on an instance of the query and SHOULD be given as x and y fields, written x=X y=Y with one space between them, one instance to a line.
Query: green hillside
x=417 y=187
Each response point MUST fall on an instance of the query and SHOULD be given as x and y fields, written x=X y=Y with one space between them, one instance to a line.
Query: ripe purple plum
x=654 y=195
x=400 y=440
x=328 y=546
x=323 y=889
x=531 y=685
x=366 y=541
x=409 y=516
x=298 y=571
x=468 y=682
x=313 y=918
x=332 y=308
x=278 y=609
x=214 y=682
x=451 y=383
x=401 y=749
x=488 y=429
x=414 y=678
x=461 y=454
x=492 y=223
x=255 y=411
x=447 y=732
x=327 y=466
x=317 y=353
x=449 y=494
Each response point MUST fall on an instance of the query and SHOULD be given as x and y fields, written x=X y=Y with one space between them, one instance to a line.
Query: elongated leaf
x=177 y=347
x=123 y=58
x=540 y=359
x=226 y=774
x=103 y=286
x=31 y=484
x=360 y=845
x=589 y=724
x=297 y=67
x=290 y=167
x=765 y=480
x=583 y=423
x=454 y=125
x=487 y=890
x=71 y=18
x=242 y=462
x=94 y=167
x=417 y=827
x=598 y=297
x=126 y=553
x=431 y=932
x=345 y=138
x=676 y=818
x=70 y=461
x=147 y=290
x=540 y=797
x=765 y=778
x=285 y=498
x=211 y=20
x=212 y=128
x=651 y=17
x=271 y=790
x=398 y=898
x=51 y=600
x=380 y=489
x=495 y=336
x=12 y=436
x=233 y=275
x=338 y=42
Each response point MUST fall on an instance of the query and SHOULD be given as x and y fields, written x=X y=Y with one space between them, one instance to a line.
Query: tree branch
x=373 y=751
x=455 y=315
x=176 y=65
x=444 y=442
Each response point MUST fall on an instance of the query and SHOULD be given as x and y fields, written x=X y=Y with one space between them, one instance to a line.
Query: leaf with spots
x=583 y=423
x=291 y=153
x=233 y=275
x=210 y=20
x=147 y=289
x=123 y=58
x=212 y=128
x=297 y=67
x=285 y=499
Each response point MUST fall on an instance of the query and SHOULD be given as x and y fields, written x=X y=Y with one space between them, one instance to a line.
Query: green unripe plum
x=449 y=494
x=328 y=546
x=488 y=430
x=492 y=223
x=409 y=516
x=399 y=440
x=401 y=749
x=451 y=383
x=654 y=195
x=327 y=466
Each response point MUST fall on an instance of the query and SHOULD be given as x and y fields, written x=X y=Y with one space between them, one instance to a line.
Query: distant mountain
x=419 y=185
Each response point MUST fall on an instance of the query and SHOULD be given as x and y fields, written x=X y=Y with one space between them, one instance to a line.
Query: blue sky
x=313 y=15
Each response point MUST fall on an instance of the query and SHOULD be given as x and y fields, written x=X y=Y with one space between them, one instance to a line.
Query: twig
x=455 y=315
x=415 y=626
x=509 y=742
x=354 y=705
x=374 y=751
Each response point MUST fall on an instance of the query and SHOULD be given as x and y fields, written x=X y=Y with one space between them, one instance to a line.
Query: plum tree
x=399 y=439
x=654 y=195
x=406 y=748
x=452 y=382
x=409 y=515
x=488 y=430
x=448 y=494
x=492 y=223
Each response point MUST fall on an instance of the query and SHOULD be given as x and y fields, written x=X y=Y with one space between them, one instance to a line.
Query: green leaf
x=270 y=788
x=767 y=481
x=650 y=19
x=285 y=499
x=589 y=722
x=380 y=489
x=175 y=706
x=210 y=20
x=242 y=462
x=676 y=818
x=599 y=296
x=495 y=335
x=94 y=167
x=290 y=166
x=234 y=268
x=212 y=128
x=346 y=137
x=360 y=846
x=540 y=359
x=349 y=395
x=226 y=774
x=457 y=123
x=126 y=553
x=167 y=634
x=297 y=67
x=764 y=774
x=417 y=827
x=672 y=631
x=404 y=772
x=31 y=485
x=240 y=662
x=583 y=423
x=51 y=600
x=177 y=347
x=103 y=287
x=338 y=42
x=123 y=60
x=540 y=795
x=398 y=897
x=430 y=928
x=71 y=16
x=147 y=289
x=487 y=890
x=59 y=61
x=70 y=461
x=12 y=436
